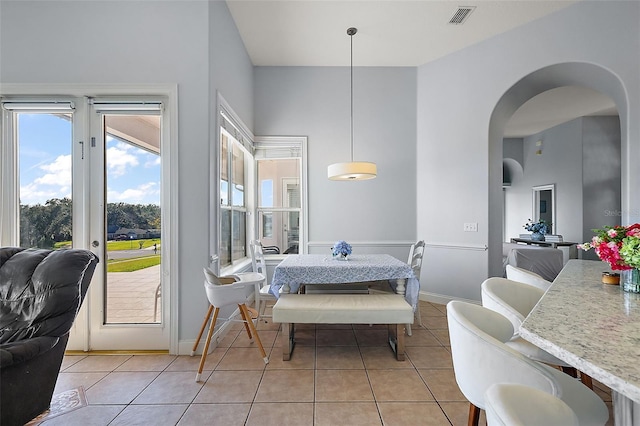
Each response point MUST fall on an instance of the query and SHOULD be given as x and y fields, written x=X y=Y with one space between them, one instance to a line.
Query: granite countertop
x=593 y=326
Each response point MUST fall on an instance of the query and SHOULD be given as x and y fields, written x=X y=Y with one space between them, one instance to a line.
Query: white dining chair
x=415 y=262
x=515 y=273
x=510 y=404
x=225 y=291
x=481 y=358
x=262 y=289
x=515 y=300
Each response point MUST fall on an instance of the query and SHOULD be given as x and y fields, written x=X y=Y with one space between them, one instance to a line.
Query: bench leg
x=287 y=340
x=396 y=340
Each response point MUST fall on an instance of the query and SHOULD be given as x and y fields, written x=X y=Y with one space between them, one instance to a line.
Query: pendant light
x=354 y=170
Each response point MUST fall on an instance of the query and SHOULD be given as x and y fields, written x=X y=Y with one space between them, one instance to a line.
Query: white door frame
x=169 y=149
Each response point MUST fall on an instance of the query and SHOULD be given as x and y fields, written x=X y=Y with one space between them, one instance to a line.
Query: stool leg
x=246 y=318
x=586 y=380
x=204 y=324
x=474 y=415
x=249 y=323
x=206 y=343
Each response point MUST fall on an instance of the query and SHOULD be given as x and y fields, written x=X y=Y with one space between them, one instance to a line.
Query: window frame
x=272 y=145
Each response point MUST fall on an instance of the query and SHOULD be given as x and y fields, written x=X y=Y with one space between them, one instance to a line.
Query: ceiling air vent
x=461 y=15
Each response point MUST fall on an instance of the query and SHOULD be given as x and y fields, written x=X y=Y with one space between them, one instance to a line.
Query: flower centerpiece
x=538 y=229
x=341 y=249
x=619 y=246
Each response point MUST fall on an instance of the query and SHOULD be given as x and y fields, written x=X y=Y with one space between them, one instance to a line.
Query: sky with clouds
x=133 y=174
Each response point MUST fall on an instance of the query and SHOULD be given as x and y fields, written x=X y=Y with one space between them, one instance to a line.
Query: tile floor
x=338 y=375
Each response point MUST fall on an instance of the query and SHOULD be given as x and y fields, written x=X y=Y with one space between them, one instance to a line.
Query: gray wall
x=315 y=102
x=192 y=43
x=582 y=158
x=464 y=102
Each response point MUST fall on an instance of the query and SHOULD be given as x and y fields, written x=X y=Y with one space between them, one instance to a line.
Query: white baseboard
x=185 y=346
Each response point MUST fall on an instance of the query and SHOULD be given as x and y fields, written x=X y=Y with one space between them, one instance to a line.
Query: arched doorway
x=537 y=82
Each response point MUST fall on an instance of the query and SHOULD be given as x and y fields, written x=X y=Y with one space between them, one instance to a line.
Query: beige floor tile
x=68 y=381
x=229 y=387
x=97 y=363
x=442 y=335
x=398 y=385
x=302 y=357
x=372 y=337
x=428 y=310
x=191 y=363
x=170 y=387
x=429 y=357
x=146 y=363
x=346 y=413
x=144 y=415
x=458 y=413
x=421 y=337
x=242 y=359
x=289 y=414
x=335 y=337
x=286 y=386
x=442 y=383
x=338 y=357
x=412 y=413
x=69 y=360
x=382 y=357
x=302 y=336
x=215 y=415
x=91 y=415
x=120 y=387
x=434 y=323
x=342 y=385
x=267 y=337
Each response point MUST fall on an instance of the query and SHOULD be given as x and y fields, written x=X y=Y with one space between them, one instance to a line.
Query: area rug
x=62 y=403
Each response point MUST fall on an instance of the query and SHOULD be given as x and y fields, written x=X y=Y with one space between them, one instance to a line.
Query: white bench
x=391 y=309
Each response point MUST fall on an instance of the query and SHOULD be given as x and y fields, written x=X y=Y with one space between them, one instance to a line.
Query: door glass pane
x=133 y=227
x=44 y=145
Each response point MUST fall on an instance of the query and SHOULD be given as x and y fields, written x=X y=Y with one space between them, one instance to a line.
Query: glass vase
x=630 y=280
x=537 y=236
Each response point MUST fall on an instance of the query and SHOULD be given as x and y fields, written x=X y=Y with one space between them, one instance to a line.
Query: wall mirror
x=544 y=200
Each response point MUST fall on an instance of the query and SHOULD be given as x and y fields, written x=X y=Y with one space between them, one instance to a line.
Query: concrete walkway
x=131 y=296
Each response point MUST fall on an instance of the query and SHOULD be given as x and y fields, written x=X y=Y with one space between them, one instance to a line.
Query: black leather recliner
x=40 y=294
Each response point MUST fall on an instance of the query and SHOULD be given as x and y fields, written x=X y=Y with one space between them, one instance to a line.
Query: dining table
x=594 y=327
x=317 y=269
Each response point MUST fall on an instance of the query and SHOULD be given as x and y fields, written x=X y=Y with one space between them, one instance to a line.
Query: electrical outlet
x=471 y=227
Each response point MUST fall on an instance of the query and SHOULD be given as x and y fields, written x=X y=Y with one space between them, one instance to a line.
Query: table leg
x=626 y=412
x=401 y=282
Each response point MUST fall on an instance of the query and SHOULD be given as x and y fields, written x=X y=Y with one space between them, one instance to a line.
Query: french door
x=88 y=173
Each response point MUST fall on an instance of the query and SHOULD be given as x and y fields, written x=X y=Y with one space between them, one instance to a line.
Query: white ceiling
x=400 y=33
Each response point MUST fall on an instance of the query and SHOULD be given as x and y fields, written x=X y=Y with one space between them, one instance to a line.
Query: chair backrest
x=257 y=259
x=480 y=357
x=415 y=258
x=528 y=277
x=41 y=290
x=512 y=299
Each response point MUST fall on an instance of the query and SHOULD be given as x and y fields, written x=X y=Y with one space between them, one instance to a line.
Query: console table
x=552 y=244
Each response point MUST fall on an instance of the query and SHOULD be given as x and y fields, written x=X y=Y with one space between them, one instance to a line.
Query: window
x=281 y=194
x=233 y=210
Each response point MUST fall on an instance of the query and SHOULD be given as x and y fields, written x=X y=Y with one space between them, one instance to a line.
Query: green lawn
x=132 y=264
x=131 y=244
x=117 y=245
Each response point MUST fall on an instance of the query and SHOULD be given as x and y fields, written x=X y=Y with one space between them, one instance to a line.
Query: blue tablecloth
x=299 y=269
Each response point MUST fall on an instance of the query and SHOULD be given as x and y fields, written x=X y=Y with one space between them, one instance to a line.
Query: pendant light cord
x=351 y=32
